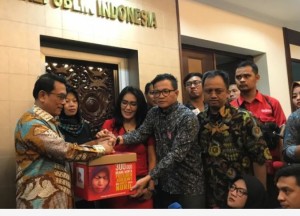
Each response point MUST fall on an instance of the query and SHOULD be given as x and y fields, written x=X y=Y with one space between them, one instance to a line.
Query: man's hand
x=107 y=145
x=105 y=135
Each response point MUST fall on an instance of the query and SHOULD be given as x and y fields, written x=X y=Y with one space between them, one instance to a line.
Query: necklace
x=128 y=128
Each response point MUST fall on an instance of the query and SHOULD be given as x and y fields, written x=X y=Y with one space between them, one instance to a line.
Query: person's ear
x=257 y=76
x=42 y=96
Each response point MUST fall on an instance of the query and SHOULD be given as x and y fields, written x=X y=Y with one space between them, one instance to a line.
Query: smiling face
x=71 y=106
x=237 y=194
x=54 y=101
x=129 y=106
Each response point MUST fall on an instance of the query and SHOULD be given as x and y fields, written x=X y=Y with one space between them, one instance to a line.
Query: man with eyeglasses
x=179 y=169
x=231 y=140
x=193 y=85
x=43 y=178
x=149 y=94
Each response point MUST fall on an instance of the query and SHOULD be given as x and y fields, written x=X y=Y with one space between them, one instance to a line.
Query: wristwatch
x=152 y=190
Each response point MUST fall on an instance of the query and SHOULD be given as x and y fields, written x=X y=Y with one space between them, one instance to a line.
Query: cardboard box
x=105 y=177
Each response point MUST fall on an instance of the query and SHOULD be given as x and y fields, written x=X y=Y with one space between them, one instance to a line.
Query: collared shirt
x=179 y=169
x=43 y=177
x=195 y=110
x=292 y=136
x=231 y=142
x=261 y=109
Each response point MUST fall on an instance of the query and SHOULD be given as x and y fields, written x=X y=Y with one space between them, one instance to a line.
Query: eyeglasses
x=125 y=103
x=239 y=191
x=60 y=96
x=195 y=83
x=164 y=92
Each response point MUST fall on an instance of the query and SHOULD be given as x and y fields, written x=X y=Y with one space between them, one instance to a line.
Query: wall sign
x=106 y=10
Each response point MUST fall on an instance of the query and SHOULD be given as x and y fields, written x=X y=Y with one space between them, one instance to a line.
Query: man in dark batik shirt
x=232 y=141
x=179 y=170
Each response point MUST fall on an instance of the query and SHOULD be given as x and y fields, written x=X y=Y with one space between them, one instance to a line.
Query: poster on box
x=104 y=181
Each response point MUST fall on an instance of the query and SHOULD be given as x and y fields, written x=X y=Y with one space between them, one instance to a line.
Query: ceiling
x=282 y=13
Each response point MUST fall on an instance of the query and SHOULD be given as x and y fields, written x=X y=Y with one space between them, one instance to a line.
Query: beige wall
x=208 y=23
x=21 y=59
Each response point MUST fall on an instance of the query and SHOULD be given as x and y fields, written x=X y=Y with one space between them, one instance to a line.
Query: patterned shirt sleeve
x=291 y=137
x=40 y=138
x=254 y=141
x=181 y=145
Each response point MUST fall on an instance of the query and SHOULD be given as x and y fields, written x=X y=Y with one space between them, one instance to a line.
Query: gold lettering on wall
x=106 y=10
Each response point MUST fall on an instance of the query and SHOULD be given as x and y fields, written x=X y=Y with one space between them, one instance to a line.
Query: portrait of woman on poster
x=100 y=179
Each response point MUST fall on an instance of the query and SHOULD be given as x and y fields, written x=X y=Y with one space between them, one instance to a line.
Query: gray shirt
x=179 y=168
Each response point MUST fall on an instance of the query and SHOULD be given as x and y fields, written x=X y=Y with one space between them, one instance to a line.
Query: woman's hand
x=105 y=134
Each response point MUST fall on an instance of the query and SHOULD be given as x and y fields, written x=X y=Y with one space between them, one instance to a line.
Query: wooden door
x=195 y=61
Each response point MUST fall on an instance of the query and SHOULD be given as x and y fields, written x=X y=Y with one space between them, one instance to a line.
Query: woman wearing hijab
x=247 y=192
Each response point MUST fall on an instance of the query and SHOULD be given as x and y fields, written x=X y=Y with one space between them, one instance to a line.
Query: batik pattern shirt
x=292 y=137
x=43 y=176
x=179 y=169
x=231 y=141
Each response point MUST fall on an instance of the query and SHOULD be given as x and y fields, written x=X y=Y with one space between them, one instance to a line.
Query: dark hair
x=72 y=90
x=294 y=85
x=45 y=83
x=214 y=73
x=141 y=107
x=147 y=87
x=289 y=170
x=192 y=74
x=249 y=63
x=166 y=76
x=257 y=195
x=104 y=169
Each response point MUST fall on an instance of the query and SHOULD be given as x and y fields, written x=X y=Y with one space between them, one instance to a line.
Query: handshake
x=107 y=136
x=105 y=142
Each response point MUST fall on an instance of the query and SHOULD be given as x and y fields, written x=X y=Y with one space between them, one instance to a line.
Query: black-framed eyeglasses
x=60 y=96
x=164 y=92
x=239 y=191
x=125 y=103
x=195 y=83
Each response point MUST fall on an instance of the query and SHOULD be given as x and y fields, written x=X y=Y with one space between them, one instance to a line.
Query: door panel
x=195 y=61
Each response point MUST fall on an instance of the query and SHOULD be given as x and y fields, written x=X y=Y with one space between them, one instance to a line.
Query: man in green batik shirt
x=230 y=138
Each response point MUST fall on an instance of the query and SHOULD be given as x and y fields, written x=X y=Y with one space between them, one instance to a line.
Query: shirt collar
x=258 y=97
x=43 y=114
x=170 y=109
